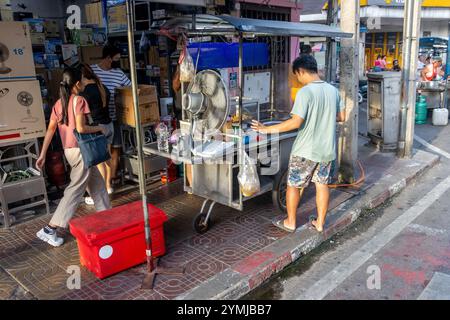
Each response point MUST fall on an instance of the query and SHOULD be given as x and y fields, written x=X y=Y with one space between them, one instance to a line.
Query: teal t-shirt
x=318 y=104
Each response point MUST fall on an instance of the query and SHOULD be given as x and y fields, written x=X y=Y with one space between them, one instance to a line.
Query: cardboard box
x=153 y=55
x=53 y=46
x=94 y=13
x=70 y=54
x=19 y=62
x=148 y=105
x=21 y=111
x=83 y=37
x=6 y=15
x=51 y=28
x=36 y=25
x=117 y=18
x=91 y=54
x=52 y=61
x=38 y=38
x=100 y=36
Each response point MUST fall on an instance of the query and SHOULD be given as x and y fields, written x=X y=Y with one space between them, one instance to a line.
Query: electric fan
x=206 y=100
x=4 y=55
x=26 y=100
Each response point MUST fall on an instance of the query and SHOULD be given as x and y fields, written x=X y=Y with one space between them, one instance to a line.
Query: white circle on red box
x=105 y=252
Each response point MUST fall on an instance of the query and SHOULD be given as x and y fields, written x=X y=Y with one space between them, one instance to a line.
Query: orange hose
x=355 y=184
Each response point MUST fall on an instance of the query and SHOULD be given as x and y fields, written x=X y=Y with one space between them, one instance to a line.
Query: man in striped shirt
x=108 y=70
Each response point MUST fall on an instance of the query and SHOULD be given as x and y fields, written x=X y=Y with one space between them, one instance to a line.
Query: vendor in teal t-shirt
x=316 y=109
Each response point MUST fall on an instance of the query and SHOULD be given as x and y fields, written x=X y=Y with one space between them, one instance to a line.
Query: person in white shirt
x=112 y=77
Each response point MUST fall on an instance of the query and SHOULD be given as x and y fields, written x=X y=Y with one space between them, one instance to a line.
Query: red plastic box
x=113 y=240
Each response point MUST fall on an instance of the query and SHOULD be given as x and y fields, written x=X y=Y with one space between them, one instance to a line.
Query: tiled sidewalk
x=31 y=269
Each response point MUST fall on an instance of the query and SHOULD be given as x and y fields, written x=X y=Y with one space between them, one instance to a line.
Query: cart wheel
x=200 y=225
x=279 y=191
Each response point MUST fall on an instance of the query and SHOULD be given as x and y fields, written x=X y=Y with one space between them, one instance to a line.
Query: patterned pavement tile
x=253 y=241
x=43 y=278
x=179 y=255
x=110 y=288
x=227 y=229
x=141 y=294
x=197 y=271
x=7 y=285
x=229 y=253
x=11 y=290
x=203 y=268
x=172 y=286
x=65 y=255
x=205 y=242
x=10 y=243
x=250 y=221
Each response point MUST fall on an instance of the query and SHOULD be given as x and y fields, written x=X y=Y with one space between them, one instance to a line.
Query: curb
x=246 y=275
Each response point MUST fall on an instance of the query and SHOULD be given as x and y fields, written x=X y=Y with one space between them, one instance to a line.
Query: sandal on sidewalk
x=311 y=219
x=279 y=222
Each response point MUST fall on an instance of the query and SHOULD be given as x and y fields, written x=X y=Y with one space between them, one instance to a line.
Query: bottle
x=162 y=133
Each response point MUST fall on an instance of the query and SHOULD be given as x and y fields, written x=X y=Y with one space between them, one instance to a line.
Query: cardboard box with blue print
x=16 y=54
x=51 y=28
x=21 y=111
x=70 y=54
x=52 y=61
x=38 y=38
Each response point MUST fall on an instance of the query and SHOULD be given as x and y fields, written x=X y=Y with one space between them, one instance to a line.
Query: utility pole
x=332 y=19
x=349 y=81
x=411 y=34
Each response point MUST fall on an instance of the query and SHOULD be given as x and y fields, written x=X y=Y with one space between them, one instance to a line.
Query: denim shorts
x=109 y=132
x=303 y=171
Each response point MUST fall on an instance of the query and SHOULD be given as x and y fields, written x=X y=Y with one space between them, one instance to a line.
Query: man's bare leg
x=322 y=201
x=293 y=196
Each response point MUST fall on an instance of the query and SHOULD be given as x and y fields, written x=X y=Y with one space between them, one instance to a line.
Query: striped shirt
x=112 y=79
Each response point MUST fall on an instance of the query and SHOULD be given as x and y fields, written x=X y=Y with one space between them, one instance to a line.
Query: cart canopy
x=205 y=24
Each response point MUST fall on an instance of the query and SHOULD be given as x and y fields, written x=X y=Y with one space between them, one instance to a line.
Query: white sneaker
x=110 y=190
x=89 y=201
x=50 y=237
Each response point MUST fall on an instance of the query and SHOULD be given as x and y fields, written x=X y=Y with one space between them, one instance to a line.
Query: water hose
x=355 y=184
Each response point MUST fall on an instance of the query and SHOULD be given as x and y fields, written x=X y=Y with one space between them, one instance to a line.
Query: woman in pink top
x=383 y=62
x=69 y=113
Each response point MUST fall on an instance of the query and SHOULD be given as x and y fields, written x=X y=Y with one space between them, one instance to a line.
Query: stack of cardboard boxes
x=21 y=110
x=148 y=105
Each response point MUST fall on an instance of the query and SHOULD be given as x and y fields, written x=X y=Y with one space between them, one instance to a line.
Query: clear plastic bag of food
x=187 y=68
x=248 y=177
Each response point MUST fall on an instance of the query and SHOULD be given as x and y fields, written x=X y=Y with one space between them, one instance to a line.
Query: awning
x=225 y=25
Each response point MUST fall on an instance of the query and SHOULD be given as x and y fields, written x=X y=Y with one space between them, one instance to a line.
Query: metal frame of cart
x=217 y=183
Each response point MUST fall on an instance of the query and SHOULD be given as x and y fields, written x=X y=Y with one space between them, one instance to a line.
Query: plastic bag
x=187 y=68
x=248 y=177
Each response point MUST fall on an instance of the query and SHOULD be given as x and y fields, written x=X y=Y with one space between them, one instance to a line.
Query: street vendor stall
x=217 y=157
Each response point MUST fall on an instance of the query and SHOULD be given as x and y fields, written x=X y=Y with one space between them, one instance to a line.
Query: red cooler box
x=114 y=240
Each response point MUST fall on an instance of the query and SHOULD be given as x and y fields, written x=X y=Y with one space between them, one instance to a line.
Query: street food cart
x=213 y=154
x=435 y=91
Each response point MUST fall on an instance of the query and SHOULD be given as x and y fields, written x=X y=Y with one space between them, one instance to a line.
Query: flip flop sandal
x=311 y=226
x=280 y=224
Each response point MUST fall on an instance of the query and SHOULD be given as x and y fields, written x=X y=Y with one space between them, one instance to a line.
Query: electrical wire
x=356 y=184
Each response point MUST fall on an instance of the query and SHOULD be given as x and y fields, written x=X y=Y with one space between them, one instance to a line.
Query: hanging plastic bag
x=144 y=43
x=248 y=177
x=187 y=68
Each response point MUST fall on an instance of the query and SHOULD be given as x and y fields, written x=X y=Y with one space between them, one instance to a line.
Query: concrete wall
x=437 y=28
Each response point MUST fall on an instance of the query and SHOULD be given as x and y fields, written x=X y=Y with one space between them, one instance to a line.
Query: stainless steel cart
x=215 y=180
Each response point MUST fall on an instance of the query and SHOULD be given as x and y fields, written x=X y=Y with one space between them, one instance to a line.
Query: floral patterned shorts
x=303 y=171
